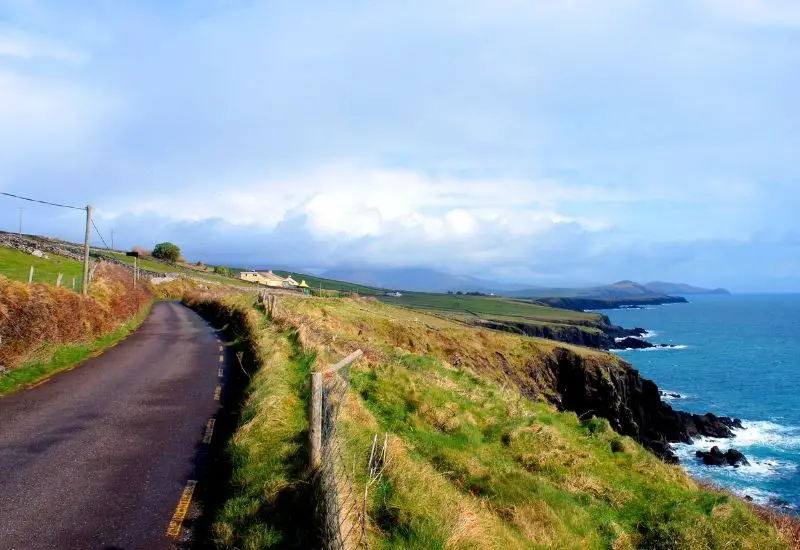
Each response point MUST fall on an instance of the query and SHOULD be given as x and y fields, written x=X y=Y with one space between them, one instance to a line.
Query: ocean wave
x=760 y=441
x=759 y=468
x=756 y=433
x=645 y=336
x=669 y=395
x=767 y=433
x=656 y=348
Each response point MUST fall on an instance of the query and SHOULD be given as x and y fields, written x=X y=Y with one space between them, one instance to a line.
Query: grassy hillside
x=16 y=265
x=476 y=459
x=167 y=269
x=331 y=284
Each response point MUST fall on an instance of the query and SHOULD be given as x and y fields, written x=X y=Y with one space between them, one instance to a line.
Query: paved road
x=98 y=457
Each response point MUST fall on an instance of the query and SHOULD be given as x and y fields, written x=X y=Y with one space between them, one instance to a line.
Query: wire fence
x=341 y=503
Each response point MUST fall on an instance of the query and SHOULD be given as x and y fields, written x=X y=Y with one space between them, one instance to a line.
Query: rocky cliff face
x=583 y=304
x=630 y=403
x=600 y=336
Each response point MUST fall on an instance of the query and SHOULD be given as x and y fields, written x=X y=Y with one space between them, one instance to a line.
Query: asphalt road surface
x=98 y=457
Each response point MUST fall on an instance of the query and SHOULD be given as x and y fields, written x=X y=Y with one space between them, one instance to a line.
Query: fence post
x=58 y=280
x=73 y=283
x=315 y=422
x=30 y=276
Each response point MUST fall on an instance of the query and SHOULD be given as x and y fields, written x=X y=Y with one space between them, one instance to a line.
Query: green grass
x=56 y=358
x=270 y=504
x=526 y=474
x=487 y=307
x=16 y=265
x=159 y=267
x=331 y=284
x=474 y=463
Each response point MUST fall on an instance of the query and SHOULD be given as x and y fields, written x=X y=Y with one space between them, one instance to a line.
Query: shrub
x=167 y=251
x=222 y=270
x=32 y=316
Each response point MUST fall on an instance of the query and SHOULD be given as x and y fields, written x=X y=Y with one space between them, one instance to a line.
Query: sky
x=550 y=142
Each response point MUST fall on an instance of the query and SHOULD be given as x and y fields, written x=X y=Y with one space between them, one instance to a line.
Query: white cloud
x=470 y=129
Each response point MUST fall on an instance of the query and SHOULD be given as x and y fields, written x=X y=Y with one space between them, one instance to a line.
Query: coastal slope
x=492 y=439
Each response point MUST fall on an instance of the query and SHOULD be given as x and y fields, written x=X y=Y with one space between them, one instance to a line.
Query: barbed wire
x=43 y=202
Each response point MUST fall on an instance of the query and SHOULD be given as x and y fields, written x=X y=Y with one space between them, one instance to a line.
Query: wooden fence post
x=73 y=283
x=30 y=276
x=315 y=422
x=58 y=280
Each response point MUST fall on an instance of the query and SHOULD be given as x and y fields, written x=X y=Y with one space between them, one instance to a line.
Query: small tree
x=167 y=251
x=222 y=270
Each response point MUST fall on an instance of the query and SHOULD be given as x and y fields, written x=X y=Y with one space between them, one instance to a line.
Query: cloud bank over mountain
x=550 y=143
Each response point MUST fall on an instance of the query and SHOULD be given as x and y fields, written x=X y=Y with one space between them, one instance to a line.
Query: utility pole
x=85 y=283
x=20 y=220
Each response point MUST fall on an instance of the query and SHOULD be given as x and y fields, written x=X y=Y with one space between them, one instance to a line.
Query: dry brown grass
x=788 y=526
x=34 y=315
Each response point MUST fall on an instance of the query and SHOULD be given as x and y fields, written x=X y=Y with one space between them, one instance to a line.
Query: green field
x=472 y=308
x=330 y=284
x=16 y=265
x=160 y=267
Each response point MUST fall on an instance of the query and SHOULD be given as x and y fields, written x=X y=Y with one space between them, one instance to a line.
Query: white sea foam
x=761 y=433
x=656 y=348
x=645 y=336
x=756 y=434
x=666 y=397
x=766 y=433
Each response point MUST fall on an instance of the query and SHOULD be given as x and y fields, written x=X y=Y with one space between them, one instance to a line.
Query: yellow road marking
x=209 y=431
x=217 y=391
x=175 y=524
x=221 y=358
x=221 y=348
x=220 y=373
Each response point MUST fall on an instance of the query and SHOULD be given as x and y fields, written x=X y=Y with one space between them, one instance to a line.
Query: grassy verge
x=268 y=502
x=57 y=358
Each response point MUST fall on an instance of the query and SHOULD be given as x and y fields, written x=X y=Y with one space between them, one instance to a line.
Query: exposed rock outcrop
x=601 y=335
x=582 y=304
x=715 y=457
x=630 y=403
x=636 y=343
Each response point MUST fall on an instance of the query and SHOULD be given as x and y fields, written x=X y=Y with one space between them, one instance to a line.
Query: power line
x=99 y=234
x=42 y=202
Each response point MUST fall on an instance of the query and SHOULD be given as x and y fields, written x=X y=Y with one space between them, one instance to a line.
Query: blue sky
x=551 y=142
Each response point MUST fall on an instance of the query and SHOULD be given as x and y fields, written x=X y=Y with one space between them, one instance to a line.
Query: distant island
x=682 y=289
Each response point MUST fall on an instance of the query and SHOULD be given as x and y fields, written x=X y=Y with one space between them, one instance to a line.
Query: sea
x=736 y=356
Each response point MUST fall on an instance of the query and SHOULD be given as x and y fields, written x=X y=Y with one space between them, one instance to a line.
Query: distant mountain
x=621 y=289
x=417 y=279
x=682 y=289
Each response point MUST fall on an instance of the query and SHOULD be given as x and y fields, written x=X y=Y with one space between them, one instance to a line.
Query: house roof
x=271 y=276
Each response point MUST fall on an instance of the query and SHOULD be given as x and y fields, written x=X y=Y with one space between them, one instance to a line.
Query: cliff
x=583 y=304
x=630 y=403
x=464 y=459
x=591 y=335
